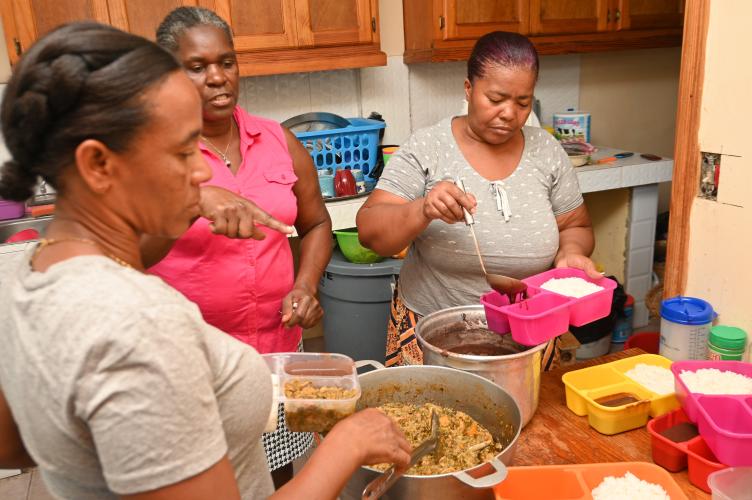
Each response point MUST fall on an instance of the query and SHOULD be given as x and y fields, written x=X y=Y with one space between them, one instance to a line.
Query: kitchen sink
x=10 y=227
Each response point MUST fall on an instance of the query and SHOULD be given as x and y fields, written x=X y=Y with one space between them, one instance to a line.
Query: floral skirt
x=402 y=346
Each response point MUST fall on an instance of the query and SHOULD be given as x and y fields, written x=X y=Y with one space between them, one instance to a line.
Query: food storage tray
x=544 y=315
x=583 y=387
x=692 y=454
x=724 y=421
x=322 y=370
x=575 y=482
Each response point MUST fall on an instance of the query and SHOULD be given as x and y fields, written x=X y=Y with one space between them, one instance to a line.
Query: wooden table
x=556 y=436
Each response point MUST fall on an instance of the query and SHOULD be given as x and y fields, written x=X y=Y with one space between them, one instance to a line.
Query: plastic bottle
x=726 y=343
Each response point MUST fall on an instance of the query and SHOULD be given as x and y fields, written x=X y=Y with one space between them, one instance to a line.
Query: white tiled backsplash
x=408 y=96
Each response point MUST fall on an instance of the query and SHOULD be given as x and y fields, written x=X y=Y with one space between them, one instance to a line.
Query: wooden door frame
x=686 y=177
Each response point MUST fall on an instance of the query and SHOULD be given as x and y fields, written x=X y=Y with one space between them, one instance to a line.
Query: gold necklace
x=227 y=161
x=45 y=242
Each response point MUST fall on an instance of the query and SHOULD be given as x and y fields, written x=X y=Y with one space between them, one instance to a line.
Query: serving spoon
x=511 y=287
x=381 y=484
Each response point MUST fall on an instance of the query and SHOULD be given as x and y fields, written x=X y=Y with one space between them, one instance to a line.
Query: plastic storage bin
x=583 y=387
x=355 y=299
x=321 y=370
x=11 y=209
x=355 y=146
x=734 y=483
x=724 y=421
x=575 y=482
x=685 y=324
x=692 y=454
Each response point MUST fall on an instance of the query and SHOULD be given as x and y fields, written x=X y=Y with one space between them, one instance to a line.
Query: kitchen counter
x=556 y=436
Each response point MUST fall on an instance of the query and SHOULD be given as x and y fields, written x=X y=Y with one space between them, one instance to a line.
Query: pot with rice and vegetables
x=479 y=424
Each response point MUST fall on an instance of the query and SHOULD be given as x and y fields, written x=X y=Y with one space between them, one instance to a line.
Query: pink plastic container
x=539 y=318
x=724 y=421
x=585 y=309
x=494 y=303
x=11 y=209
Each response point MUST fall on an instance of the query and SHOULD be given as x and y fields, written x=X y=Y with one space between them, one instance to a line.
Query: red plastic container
x=693 y=454
x=585 y=309
x=647 y=341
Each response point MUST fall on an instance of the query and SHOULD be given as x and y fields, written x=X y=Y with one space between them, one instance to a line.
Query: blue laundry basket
x=355 y=146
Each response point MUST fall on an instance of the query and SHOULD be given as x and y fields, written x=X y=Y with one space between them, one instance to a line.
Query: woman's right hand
x=373 y=435
x=446 y=201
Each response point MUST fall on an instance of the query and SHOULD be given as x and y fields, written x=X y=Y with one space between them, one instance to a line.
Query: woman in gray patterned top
x=520 y=184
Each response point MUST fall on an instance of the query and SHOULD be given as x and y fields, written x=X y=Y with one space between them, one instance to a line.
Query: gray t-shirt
x=118 y=386
x=515 y=220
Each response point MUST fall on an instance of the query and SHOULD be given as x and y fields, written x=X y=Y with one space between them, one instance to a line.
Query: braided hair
x=180 y=20
x=81 y=81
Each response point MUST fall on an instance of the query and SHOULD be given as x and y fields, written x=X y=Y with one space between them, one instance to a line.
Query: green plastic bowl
x=353 y=250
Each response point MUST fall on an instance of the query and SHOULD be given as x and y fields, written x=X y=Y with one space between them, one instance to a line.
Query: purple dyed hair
x=502 y=49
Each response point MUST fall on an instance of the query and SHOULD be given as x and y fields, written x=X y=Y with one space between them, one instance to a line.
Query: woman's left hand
x=578 y=261
x=300 y=307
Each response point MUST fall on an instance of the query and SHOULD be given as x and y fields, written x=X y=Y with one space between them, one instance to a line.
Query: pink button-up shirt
x=239 y=284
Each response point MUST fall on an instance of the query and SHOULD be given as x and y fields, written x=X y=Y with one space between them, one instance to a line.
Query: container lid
x=728 y=337
x=339 y=265
x=687 y=311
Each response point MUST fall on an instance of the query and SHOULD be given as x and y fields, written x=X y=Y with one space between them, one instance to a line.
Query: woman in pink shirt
x=245 y=285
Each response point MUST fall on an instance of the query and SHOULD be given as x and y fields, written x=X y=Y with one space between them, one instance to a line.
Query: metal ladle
x=381 y=484
x=511 y=287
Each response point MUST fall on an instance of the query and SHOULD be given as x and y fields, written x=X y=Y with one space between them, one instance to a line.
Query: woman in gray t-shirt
x=521 y=189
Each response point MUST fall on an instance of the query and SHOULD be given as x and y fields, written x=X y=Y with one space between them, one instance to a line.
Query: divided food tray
x=321 y=370
x=724 y=421
x=583 y=387
x=544 y=314
x=692 y=454
x=575 y=482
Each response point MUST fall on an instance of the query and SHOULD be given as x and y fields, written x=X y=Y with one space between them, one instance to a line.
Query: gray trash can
x=355 y=299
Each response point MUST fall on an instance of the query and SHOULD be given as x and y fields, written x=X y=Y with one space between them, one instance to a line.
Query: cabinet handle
x=441 y=22
x=17 y=45
x=373 y=24
x=617 y=16
x=608 y=16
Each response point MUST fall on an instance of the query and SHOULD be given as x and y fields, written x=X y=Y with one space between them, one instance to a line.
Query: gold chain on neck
x=45 y=242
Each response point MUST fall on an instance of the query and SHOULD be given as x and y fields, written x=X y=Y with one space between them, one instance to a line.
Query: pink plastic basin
x=688 y=399
x=11 y=209
x=585 y=309
x=538 y=319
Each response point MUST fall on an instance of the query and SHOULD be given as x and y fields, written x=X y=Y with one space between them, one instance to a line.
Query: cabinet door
x=471 y=19
x=142 y=16
x=651 y=14
x=259 y=24
x=27 y=20
x=335 y=22
x=569 y=16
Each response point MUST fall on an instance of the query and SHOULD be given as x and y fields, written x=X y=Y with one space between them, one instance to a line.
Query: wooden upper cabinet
x=142 y=16
x=568 y=16
x=335 y=22
x=471 y=19
x=651 y=14
x=260 y=24
x=27 y=20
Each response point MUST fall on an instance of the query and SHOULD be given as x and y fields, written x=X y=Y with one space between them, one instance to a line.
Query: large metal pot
x=487 y=403
x=464 y=329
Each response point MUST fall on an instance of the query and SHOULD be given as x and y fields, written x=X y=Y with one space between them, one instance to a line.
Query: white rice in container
x=714 y=381
x=655 y=378
x=629 y=487
x=571 y=287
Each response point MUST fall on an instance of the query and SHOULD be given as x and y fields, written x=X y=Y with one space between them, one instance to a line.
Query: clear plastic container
x=685 y=325
x=317 y=389
x=734 y=483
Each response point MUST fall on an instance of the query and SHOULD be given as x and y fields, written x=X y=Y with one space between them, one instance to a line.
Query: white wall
x=720 y=232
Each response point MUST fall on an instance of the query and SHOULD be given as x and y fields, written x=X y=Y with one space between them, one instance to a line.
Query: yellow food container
x=587 y=389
